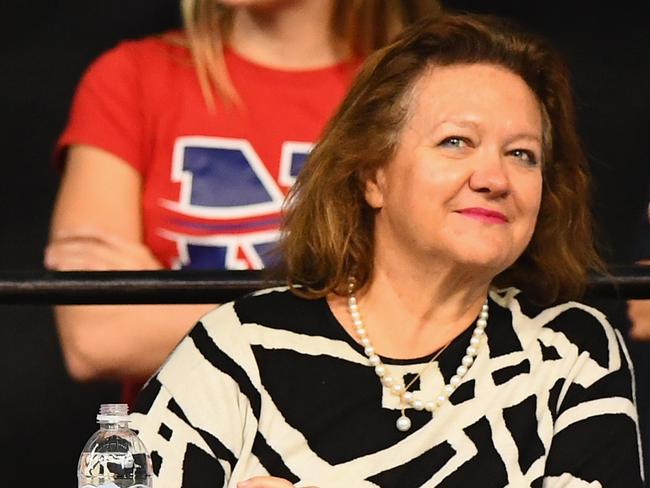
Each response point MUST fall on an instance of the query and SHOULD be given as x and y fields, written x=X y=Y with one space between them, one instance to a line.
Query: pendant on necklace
x=403 y=423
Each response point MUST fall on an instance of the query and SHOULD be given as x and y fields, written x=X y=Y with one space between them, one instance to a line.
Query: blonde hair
x=365 y=25
x=328 y=230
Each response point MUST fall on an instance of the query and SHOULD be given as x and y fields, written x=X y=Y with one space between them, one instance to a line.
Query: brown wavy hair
x=365 y=25
x=328 y=225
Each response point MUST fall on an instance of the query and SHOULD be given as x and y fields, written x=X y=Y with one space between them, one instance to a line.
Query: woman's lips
x=484 y=214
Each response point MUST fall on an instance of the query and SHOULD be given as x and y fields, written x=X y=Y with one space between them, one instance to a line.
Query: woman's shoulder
x=145 y=52
x=271 y=313
x=163 y=44
x=577 y=324
x=266 y=306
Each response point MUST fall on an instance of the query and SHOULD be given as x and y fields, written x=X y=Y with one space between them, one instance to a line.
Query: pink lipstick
x=484 y=214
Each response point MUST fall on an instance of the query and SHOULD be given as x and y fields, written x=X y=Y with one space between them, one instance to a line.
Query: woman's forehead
x=471 y=95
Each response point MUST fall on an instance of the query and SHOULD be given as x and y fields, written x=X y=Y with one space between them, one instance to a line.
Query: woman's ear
x=374 y=191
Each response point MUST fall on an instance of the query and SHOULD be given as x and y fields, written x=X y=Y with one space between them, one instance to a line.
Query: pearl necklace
x=407 y=399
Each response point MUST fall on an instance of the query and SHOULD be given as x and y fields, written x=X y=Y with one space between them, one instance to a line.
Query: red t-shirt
x=213 y=182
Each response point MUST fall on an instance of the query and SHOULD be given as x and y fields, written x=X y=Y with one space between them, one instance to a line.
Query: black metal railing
x=148 y=287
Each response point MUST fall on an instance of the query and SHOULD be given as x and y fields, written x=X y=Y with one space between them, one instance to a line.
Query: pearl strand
x=407 y=398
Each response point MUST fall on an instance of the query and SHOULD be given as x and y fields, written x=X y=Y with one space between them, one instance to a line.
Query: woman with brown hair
x=433 y=246
x=180 y=149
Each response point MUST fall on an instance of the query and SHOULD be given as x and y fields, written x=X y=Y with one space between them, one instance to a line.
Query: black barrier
x=149 y=287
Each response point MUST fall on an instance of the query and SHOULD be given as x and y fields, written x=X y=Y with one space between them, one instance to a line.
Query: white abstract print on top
x=272 y=384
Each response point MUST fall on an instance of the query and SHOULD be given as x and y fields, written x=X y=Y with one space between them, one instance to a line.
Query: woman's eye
x=525 y=155
x=456 y=142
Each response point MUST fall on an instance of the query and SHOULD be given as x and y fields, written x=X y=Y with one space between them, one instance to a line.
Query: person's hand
x=95 y=250
x=267 y=482
x=639 y=313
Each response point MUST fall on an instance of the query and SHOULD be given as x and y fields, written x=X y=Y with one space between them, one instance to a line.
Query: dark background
x=45 y=46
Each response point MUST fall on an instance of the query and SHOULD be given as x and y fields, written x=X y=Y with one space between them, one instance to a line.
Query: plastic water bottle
x=114 y=456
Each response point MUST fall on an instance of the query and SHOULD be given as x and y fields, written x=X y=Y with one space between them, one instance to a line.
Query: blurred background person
x=180 y=148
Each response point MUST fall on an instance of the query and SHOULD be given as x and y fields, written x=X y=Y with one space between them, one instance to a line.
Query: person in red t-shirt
x=180 y=149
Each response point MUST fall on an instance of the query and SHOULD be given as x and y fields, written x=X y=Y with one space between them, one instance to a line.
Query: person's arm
x=639 y=313
x=97 y=225
x=639 y=310
x=596 y=433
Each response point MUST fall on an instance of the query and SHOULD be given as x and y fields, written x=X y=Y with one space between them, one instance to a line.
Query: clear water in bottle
x=114 y=456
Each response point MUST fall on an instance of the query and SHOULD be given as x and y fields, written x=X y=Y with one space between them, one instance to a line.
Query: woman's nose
x=490 y=175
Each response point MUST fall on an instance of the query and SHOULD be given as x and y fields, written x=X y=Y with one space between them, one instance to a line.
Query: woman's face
x=465 y=184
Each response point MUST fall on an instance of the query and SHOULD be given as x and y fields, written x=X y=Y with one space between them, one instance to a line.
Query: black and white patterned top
x=272 y=384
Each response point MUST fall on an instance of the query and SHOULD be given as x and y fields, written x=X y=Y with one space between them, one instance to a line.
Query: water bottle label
x=114 y=470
